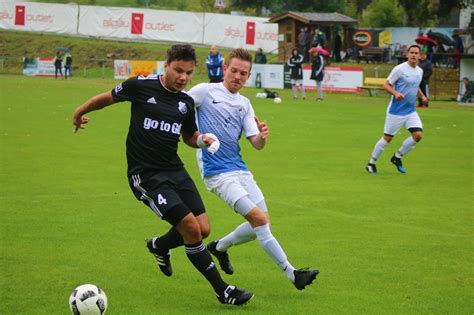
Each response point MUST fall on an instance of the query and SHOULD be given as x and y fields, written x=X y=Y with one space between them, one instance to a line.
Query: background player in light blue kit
x=226 y=113
x=403 y=83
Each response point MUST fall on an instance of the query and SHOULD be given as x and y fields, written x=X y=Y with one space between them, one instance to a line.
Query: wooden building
x=290 y=24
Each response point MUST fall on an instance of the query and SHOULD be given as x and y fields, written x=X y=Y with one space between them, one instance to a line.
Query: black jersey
x=158 y=117
x=296 y=67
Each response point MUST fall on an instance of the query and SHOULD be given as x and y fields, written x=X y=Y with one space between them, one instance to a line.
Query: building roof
x=315 y=18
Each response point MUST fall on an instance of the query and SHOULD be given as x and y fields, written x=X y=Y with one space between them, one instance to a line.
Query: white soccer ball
x=277 y=100
x=88 y=299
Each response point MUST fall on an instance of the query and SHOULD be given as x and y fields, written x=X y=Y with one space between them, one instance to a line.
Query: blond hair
x=239 y=53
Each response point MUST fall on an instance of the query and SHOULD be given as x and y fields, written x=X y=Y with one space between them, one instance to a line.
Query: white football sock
x=274 y=250
x=295 y=90
x=378 y=149
x=319 y=84
x=242 y=234
x=407 y=145
x=303 y=93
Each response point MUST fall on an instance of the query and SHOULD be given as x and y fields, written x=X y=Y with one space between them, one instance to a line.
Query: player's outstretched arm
x=95 y=103
x=259 y=141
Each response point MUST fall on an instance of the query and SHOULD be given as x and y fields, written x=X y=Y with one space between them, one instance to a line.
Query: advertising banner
x=371 y=37
x=124 y=69
x=43 y=67
x=466 y=69
x=240 y=32
x=336 y=79
x=143 y=67
x=266 y=76
x=362 y=37
x=385 y=37
x=405 y=35
x=39 y=17
x=121 y=69
x=128 y=23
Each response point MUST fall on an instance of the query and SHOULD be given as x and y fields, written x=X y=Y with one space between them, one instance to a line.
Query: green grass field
x=385 y=244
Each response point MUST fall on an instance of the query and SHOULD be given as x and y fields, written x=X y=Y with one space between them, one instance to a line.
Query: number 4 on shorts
x=161 y=200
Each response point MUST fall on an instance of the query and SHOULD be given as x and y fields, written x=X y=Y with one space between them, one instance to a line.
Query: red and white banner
x=128 y=23
x=240 y=32
x=41 y=67
x=39 y=17
x=336 y=79
x=223 y=30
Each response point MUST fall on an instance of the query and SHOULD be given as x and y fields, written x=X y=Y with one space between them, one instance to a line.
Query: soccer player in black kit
x=160 y=114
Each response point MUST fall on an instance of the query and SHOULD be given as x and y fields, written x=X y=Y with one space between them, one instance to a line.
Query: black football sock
x=171 y=239
x=202 y=261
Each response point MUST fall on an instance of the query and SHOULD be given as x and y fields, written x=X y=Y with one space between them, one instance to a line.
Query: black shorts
x=171 y=195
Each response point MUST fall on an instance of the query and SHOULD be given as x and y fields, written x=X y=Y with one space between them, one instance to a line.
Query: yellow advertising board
x=142 y=67
x=385 y=37
x=124 y=69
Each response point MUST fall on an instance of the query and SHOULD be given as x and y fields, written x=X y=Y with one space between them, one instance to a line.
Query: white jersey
x=406 y=80
x=226 y=115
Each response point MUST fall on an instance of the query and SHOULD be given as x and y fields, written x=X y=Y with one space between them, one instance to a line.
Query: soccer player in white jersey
x=403 y=83
x=224 y=112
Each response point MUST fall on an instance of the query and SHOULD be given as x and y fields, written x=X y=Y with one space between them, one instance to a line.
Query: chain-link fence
x=93 y=67
x=444 y=83
x=90 y=68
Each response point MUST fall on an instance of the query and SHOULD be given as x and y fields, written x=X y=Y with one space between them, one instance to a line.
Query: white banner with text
x=40 y=67
x=266 y=76
x=240 y=32
x=127 y=23
x=230 y=31
x=336 y=79
x=39 y=17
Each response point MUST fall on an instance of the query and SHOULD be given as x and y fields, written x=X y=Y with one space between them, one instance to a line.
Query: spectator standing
x=58 y=64
x=317 y=71
x=427 y=68
x=260 y=57
x=458 y=49
x=295 y=62
x=467 y=95
x=67 y=64
x=304 y=40
x=314 y=38
x=438 y=58
x=337 y=47
x=319 y=38
x=428 y=50
x=214 y=63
